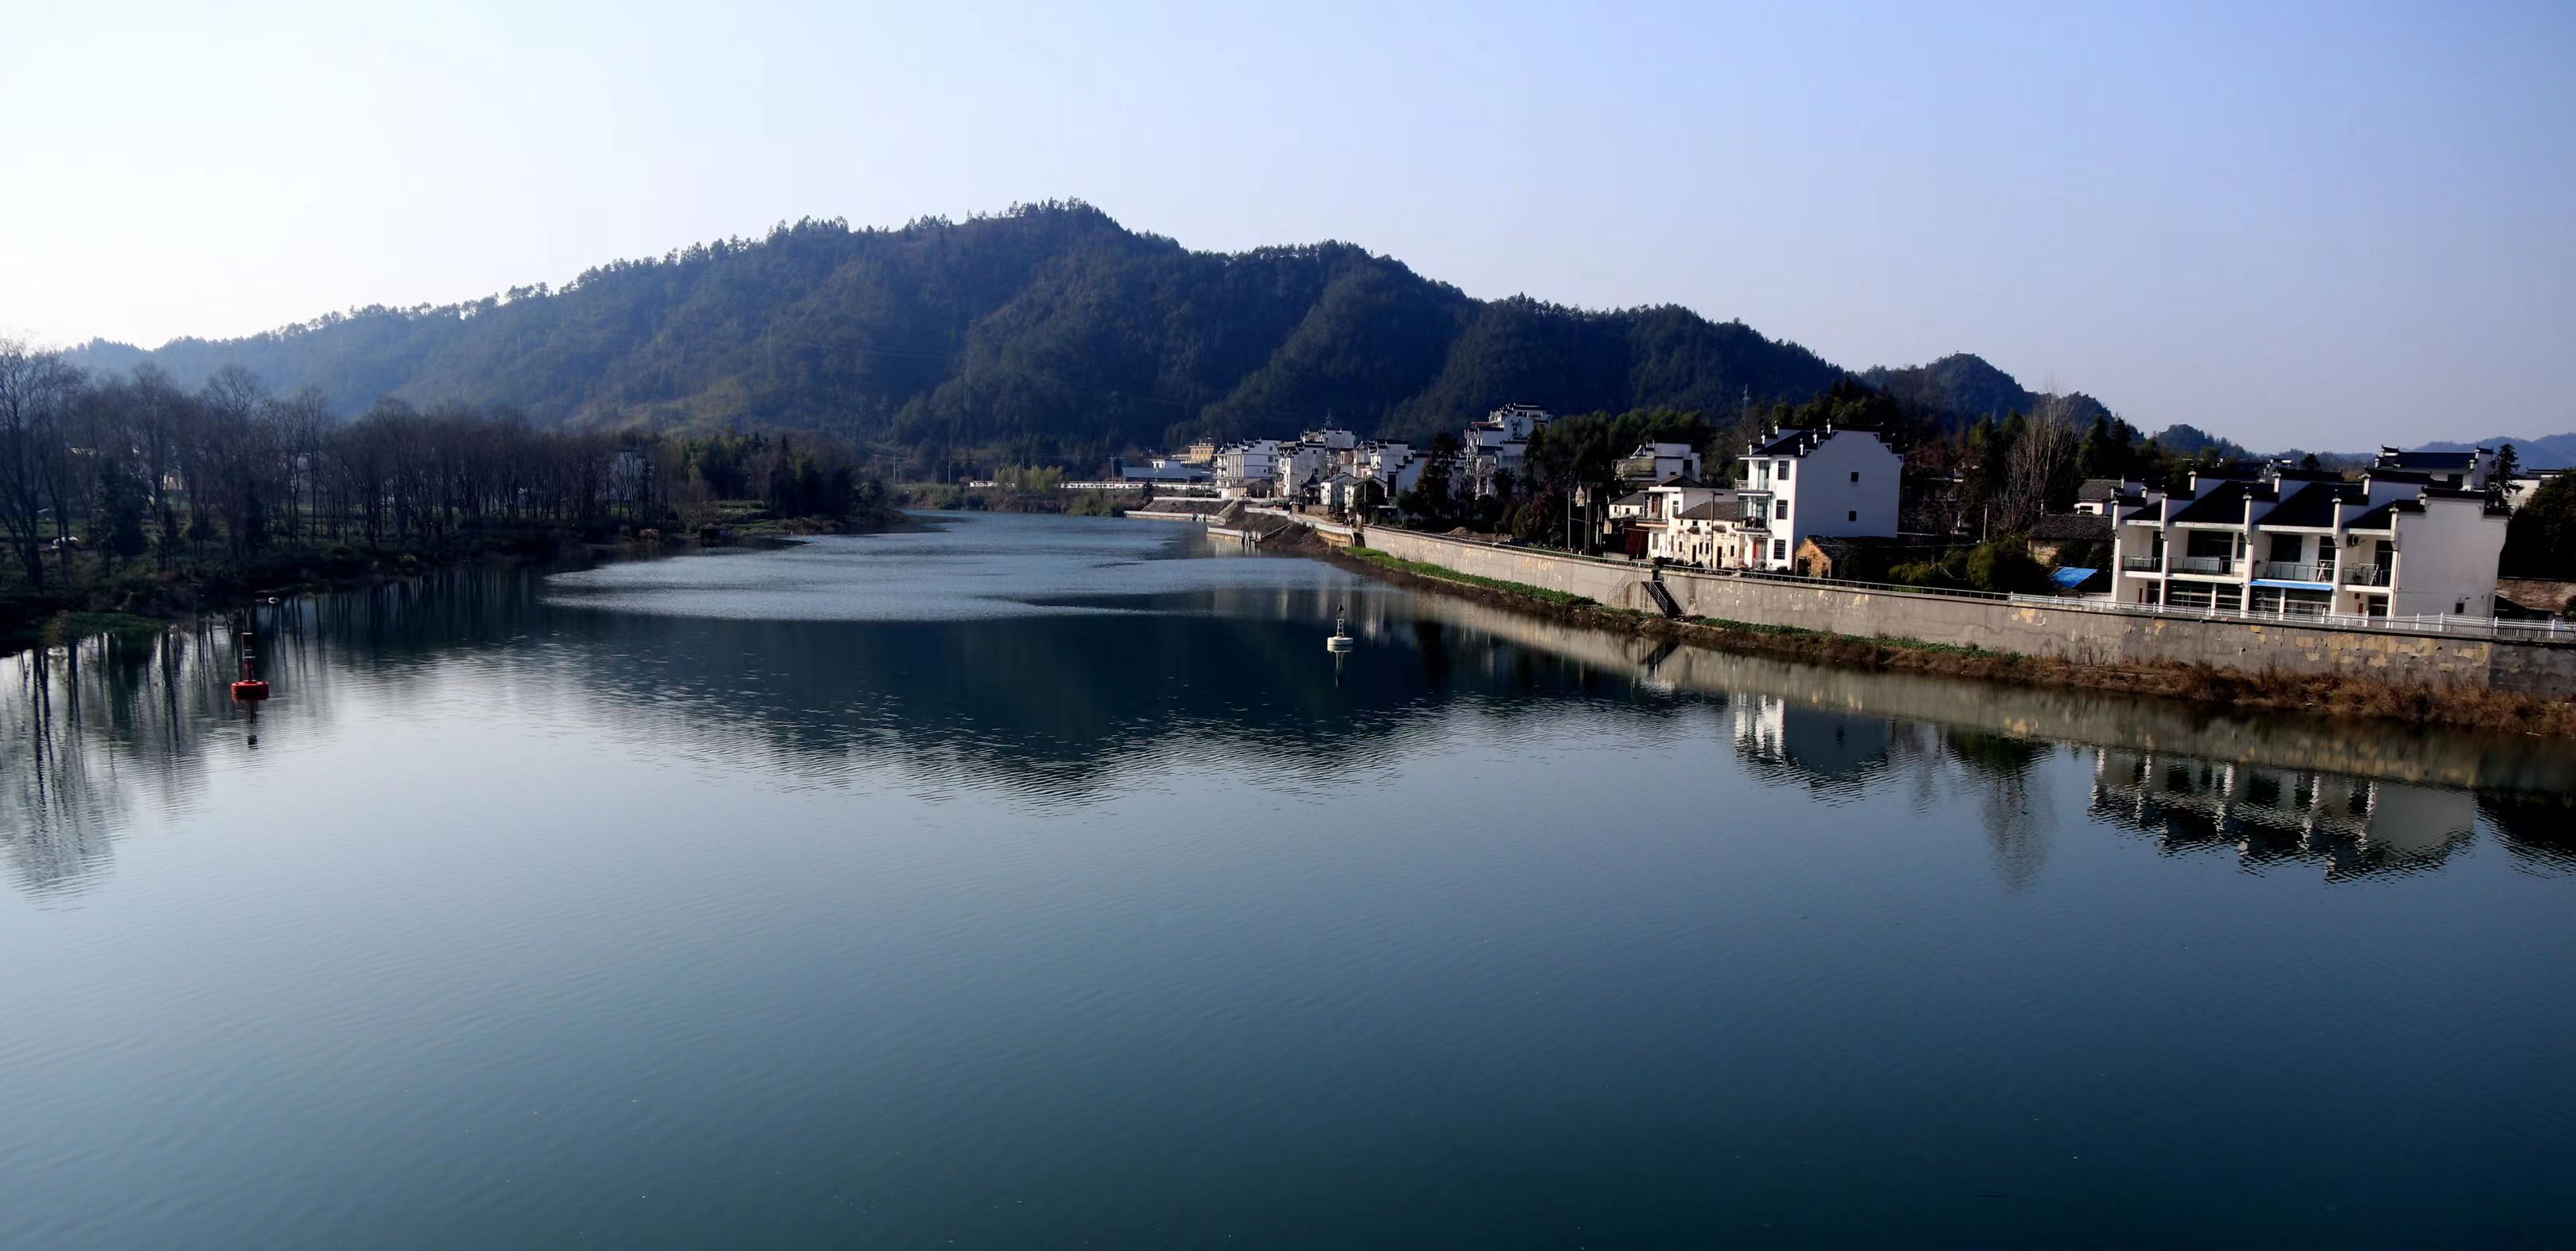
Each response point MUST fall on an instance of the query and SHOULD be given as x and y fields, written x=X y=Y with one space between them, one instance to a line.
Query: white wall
x=1824 y=499
x=2446 y=558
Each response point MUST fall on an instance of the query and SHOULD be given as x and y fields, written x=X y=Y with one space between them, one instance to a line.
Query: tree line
x=103 y=473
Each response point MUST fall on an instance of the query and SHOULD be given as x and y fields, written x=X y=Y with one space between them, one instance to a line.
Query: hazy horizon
x=2308 y=227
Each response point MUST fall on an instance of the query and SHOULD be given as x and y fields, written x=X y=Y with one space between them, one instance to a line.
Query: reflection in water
x=1072 y=697
x=2350 y=825
x=1095 y=895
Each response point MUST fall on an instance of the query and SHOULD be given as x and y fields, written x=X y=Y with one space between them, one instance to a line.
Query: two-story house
x=1654 y=462
x=1499 y=445
x=1819 y=482
x=2281 y=541
x=1247 y=468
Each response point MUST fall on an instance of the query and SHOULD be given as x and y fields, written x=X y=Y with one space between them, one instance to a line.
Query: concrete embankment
x=2416 y=754
x=2071 y=634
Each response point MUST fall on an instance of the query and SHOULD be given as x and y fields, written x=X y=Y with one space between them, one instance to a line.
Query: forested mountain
x=1049 y=330
x=1968 y=387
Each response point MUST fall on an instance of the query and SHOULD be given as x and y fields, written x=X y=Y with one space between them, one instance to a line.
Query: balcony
x=2298 y=571
x=2142 y=564
x=2214 y=566
x=2366 y=575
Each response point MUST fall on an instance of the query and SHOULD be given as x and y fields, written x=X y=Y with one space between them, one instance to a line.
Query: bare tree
x=36 y=392
x=2043 y=463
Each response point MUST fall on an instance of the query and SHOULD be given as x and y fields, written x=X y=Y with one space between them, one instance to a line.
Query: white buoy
x=1341 y=640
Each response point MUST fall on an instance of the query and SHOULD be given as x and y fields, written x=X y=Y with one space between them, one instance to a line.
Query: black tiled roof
x=2437 y=461
x=2310 y=505
x=2223 y=504
x=2071 y=527
x=2098 y=489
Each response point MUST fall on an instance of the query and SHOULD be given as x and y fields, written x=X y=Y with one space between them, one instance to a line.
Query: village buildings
x=2275 y=540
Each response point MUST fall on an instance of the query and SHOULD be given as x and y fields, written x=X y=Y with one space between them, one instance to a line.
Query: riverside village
x=2384 y=568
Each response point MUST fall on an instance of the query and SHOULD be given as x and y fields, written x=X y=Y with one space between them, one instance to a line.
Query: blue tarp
x=2070 y=579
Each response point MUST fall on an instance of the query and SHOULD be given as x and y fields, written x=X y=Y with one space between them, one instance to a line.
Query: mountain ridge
x=1050 y=329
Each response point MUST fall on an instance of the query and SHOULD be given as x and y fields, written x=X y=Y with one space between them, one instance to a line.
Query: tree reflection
x=1070 y=705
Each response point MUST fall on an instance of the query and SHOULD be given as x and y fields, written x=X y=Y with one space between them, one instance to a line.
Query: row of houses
x=2418 y=533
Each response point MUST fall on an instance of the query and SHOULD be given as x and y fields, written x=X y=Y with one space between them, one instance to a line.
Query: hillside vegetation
x=1046 y=333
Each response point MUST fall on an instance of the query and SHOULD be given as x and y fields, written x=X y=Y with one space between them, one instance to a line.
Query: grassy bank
x=2327 y=694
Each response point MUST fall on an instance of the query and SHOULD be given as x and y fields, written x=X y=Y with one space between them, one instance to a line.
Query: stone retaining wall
x=2072 y=633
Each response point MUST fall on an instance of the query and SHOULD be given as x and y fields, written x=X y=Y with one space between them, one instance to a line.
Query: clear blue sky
x=2323 y=225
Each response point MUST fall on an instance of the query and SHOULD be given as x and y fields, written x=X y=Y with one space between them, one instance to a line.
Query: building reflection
x=1070 y=706
x=2350 y=826
x=1832 y=753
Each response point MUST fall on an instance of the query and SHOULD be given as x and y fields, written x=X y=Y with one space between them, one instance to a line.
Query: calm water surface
x=1043 y=882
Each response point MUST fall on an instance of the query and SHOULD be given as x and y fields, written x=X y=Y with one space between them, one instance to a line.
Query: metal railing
x=2365 y=575
x=2206 y=564
x=2298 y=571
x=2142 y=564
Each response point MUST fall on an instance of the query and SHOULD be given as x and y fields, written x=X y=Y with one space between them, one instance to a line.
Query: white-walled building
x=2520 y=487
x=1499 y=444
x=2307 y=542
x=1391 y=465
x=1654 y=462
x=1820 y=482
x=1247 y=468
x=1711 y=534
x=2458 y=471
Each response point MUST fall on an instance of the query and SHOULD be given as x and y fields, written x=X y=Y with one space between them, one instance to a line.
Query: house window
x=1851 y=515
x=1855 y=475
x=1779 y=549
x=1779 y=510
x=1784 y=471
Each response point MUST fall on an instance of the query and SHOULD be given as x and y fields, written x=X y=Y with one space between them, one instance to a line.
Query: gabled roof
x=1637 y=498
x=2095 y=489
x=2435 y=461
x=1680 y=481
x=1713 y=510
x=2068 y=527
x=2311 y=505
x=1791 y=441
x=2223 y=504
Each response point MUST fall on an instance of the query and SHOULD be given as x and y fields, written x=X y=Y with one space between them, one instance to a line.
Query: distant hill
x=1970 y=388
x=1050 y=330
x=2553 y=451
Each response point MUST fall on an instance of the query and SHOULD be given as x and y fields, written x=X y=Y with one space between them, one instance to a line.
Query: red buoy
x=248 y=690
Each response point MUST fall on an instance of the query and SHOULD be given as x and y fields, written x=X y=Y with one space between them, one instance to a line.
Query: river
x=1043 y=882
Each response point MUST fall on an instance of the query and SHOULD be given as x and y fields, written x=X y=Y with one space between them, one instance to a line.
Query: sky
x=2328 y=225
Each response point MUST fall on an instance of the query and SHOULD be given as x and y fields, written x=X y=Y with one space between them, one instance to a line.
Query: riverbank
x=147 y=600
x=2327 y=694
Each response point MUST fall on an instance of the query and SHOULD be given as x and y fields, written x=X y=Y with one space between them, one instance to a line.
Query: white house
x=2520 y=487
x=1820 y=482
x=1499 y=444
x=2459 y=471
x=1247 y=468
x=2279 y=541
x=1654 y=462
x=1710 y=534
x=1391 y=465
x=1304 y=462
